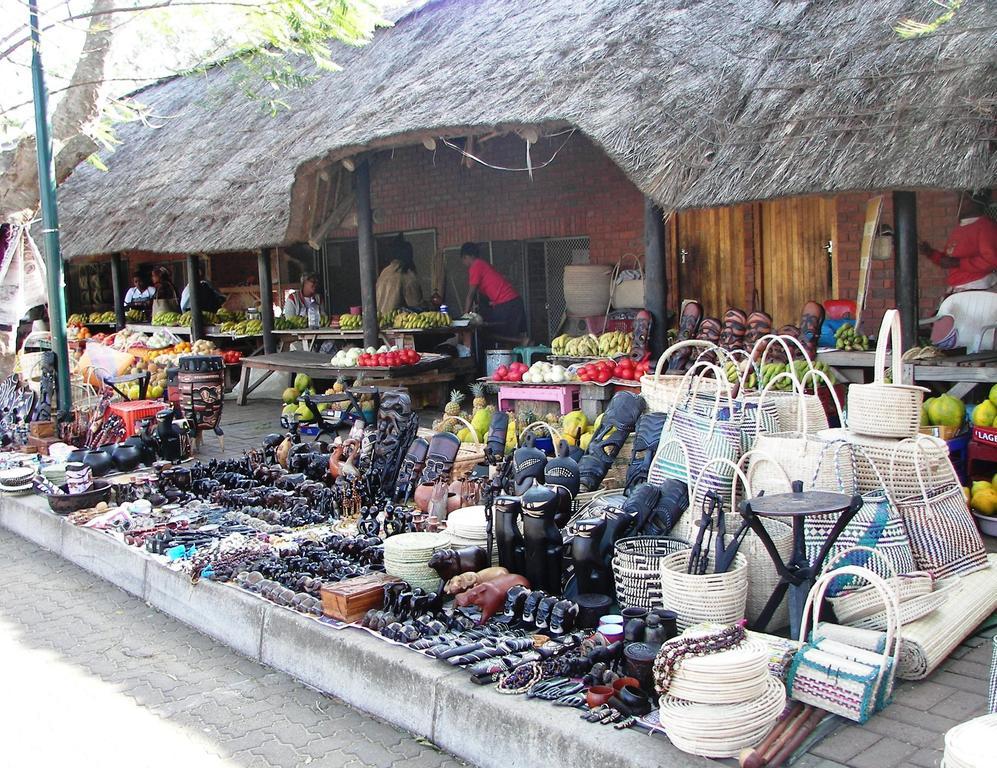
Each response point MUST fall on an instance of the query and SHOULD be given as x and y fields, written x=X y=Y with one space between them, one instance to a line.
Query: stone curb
x=420 y=695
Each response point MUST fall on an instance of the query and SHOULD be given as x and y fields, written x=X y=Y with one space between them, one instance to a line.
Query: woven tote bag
x=943 y=535
x=841 y=678
x=627 y=293
x=881 y=409
x=797 y=411
x=878 y=526
x=660 y=391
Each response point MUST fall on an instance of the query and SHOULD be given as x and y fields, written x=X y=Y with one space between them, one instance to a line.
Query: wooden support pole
x=266 y=301
x=117 y=292
x=655 y=282
x=193 y=283
x=905 y=260
x=368 y=259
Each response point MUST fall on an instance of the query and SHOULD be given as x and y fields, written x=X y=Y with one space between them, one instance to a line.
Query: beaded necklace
x=674 y=651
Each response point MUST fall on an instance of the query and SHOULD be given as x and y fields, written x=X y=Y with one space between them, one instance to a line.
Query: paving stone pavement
x=95 y=677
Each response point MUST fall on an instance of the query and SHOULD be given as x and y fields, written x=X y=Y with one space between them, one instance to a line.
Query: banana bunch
x=582 y=346
x=286 y=323
x=227 y=316
x=76 y=319
x=846 y=338
x=171 y=319
x=348 y=322
x=101 y=317
x=614 y=343
x=133 y=316
x=558 y=345
x=413 y=320
x=244 y=327
x=769 y=371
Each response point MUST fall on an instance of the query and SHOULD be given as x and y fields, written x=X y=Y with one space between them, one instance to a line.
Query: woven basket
x=637 y=569
x=722 y=730
x=627 y=294
x=713 y=597
x=587 y=289
x=881 y=409
x=730 y=677
x=660 y=391
x=854 y=605
x=896 y=461
x=971 y=744
x=797 y=411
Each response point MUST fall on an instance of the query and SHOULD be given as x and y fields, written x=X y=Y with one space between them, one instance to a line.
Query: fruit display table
x=317 y=366
x=565 y=395
x=961 y=372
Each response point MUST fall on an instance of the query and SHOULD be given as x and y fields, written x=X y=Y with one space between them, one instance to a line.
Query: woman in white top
x=298 y=302
x=139 y=293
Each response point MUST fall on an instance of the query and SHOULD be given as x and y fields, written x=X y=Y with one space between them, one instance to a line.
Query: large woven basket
x=881 y=409
x=627 y=294
x=895 y=460
x=660 y=391
x=637 y=569
x=587 y=289
x=719 y=598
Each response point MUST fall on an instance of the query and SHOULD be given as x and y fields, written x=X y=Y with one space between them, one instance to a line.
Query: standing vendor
x=299 y=302
x=140 y=295
x=970 y=255
x=505 y=311
x=208 y=297
x=398 y=284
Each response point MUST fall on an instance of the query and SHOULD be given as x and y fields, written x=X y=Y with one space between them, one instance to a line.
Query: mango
x=985 y=501
x=984 y=414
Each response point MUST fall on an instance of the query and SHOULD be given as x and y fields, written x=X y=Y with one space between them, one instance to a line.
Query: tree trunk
x=78 y=108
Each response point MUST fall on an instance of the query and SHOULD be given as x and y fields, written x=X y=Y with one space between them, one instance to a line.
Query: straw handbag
x=718 y=598
x=877 y=526
x=881 y=409
x=627 y=293
x=587 y=289
x=847 y=680
x=797 y=411
x=943 y=535
x=873 y=458
x=637 y=569
x=660 y=391
x=864 y=608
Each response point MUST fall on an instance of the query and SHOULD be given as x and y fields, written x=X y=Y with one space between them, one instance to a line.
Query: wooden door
x=795 y=253
x=709 y=247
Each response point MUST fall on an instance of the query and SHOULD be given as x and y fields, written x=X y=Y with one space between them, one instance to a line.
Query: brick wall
x=581 y=193
x=936 y=216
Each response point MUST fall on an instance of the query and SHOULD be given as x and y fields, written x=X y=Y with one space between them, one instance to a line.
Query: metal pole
x=117 y=294
x=266 y=301
x=905 y=263
x=50 y=217
x=368 y=261
x=193 y=283
x=655 y=286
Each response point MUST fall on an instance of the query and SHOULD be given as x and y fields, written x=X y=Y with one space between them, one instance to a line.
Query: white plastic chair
x=965 y=319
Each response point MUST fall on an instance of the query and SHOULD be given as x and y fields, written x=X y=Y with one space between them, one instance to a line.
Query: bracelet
x=521 y=679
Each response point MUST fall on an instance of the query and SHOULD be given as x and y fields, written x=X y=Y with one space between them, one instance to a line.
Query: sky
x=147 y=46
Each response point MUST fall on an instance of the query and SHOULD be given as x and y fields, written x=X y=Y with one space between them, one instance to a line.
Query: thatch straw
x=700 y=103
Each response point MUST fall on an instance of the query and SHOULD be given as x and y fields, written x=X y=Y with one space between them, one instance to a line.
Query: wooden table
x=317 y=366
x=962 y=372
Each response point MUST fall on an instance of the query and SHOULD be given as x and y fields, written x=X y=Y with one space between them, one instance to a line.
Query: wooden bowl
x=68 y=503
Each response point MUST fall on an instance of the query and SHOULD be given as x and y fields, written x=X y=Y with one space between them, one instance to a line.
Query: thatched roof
x=700 y=103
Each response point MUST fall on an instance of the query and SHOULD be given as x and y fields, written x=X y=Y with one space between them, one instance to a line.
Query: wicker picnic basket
x=718 y=598
x=881 y=409
x=637 y=569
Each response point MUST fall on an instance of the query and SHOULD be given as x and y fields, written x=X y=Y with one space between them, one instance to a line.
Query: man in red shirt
x=505 y=311
x=970 y=254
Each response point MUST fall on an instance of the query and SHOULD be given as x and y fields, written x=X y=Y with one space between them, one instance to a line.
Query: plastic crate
x=134 y=411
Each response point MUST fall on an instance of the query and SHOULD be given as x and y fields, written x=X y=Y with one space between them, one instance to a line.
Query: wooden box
x=349 y=600
x=42 y=428
x=39 y=444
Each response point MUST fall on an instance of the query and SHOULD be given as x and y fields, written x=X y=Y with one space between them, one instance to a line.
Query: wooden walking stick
x=797 y=737
x=755 y=757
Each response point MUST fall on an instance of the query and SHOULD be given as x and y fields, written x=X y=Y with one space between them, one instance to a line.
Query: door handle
x=682 y=255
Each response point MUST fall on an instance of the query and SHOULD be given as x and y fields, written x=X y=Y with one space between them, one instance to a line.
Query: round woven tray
x=729 y=677
x=722 y=730
x=971 y=744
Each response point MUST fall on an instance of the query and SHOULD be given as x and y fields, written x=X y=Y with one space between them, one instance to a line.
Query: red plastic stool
x=978 y=451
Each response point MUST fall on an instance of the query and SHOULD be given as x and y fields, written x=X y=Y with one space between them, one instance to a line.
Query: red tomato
x=583 y=375
x=501 y=372
x=603 y=375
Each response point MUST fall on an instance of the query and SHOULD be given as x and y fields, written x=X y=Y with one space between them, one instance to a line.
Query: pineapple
x=339 y=386
x=479 y=401
x=453 y=407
